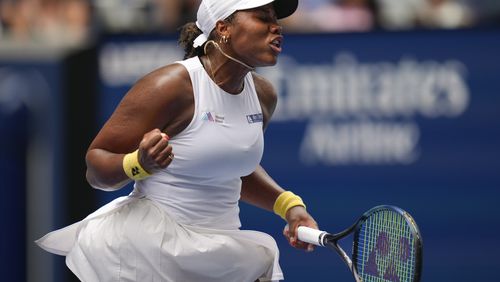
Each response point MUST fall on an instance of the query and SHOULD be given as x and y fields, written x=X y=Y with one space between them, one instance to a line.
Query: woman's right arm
x=156 y=105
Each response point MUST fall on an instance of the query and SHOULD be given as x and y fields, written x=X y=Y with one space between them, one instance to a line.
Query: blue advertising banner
x=13 y=149
x=31 y=170
x=408 y=119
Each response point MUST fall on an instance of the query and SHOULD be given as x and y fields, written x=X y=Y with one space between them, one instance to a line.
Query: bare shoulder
x=171 y=80
x=160 y=95
x=267 y=96
x=162 y=99
x=167 y=94
x=264 y=87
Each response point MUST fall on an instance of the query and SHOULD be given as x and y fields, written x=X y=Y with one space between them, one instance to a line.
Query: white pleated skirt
x=134 y=239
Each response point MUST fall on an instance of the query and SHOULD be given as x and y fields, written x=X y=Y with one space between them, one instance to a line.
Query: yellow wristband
x=286 y=201
x=133 y=168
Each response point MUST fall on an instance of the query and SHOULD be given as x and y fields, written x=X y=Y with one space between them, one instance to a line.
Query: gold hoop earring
x=224 y=39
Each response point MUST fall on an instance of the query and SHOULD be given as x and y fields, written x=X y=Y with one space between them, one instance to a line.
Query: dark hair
x=188 y=34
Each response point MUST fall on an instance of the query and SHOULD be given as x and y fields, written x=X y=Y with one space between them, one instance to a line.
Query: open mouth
x=276 y=45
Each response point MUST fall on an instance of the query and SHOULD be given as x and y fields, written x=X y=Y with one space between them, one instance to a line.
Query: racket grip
x=311 y=236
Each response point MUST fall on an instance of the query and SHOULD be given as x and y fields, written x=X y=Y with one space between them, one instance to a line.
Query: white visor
x=211 y=11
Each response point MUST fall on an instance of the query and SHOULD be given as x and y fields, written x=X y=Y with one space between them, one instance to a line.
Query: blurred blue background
x=393 y=104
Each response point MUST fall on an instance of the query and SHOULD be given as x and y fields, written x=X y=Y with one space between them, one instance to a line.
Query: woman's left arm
x=260 y=190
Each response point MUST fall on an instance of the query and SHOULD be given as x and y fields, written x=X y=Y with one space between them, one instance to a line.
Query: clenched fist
x=154 y=151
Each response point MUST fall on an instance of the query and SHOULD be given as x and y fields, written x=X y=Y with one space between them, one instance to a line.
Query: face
x=255 y=36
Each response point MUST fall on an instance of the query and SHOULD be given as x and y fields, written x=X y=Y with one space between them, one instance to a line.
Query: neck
x=227 y=72
x=227 y=56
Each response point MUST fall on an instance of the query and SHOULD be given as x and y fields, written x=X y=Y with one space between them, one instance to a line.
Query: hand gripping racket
x=387 y=245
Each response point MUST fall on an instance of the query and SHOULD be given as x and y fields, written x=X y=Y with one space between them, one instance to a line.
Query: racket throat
x=343 y=255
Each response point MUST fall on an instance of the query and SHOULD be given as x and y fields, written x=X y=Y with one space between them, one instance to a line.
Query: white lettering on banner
x=121 y=64
x=375 y=97
x=359 y=142
x=382 y=89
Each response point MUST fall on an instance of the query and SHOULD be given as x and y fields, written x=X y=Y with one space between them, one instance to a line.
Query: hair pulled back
x=188 y=34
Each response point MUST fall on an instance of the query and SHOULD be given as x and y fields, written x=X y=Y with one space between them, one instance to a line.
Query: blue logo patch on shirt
x=254 y=118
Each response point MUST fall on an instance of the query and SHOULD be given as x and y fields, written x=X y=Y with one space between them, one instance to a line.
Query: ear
x=222 y=28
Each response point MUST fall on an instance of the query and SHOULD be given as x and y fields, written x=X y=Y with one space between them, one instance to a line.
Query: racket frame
x=331 y=240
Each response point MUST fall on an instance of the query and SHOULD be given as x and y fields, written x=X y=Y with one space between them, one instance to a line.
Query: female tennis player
x=190 y=135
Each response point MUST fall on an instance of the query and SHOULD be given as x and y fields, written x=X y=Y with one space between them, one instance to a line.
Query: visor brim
x=285 y=8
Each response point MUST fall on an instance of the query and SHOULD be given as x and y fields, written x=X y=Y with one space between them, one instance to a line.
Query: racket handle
x=311 y=236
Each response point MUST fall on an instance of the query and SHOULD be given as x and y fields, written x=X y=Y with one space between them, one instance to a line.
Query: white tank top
x=223 y=142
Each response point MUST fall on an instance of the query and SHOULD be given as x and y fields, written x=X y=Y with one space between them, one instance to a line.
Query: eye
x=266 y=16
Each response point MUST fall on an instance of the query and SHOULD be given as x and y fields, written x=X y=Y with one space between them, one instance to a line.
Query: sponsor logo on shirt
x=254 y=118
x=212 y=117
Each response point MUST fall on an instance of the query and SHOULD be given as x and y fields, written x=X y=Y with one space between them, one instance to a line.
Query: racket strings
x=385 y=248
x=382 y=258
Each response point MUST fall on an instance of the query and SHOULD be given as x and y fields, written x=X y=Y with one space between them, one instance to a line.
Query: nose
x=276 y=29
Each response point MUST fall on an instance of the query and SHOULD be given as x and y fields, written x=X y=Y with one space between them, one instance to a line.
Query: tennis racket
x=387 y=245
